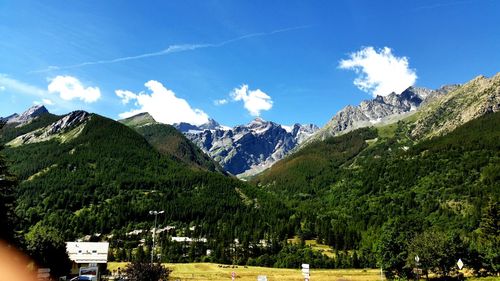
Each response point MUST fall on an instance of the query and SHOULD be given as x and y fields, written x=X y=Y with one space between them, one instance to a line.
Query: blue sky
x=286 y=61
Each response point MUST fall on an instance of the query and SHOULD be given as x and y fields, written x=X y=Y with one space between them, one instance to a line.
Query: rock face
x=476 y=98
x=10 y=117
x=27 y=116
x=189 y=128
x=69 y=121
x=247 y=149
x=64 y=129
x=379 y=109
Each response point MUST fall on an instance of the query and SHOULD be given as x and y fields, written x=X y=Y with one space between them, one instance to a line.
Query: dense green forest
x=168 y=141
x=108 y=178
x=379 y=192
x=376 y=196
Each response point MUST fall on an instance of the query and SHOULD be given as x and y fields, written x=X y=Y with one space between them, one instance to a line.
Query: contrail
x=172 y=49
x=441 y=5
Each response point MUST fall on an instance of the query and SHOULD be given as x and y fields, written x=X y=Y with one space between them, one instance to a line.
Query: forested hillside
x=378 y=191
x=108 y=178
x=170 y=142
x=376 y=196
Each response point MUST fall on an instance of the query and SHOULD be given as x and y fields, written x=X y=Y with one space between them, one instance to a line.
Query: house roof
x=88 y=252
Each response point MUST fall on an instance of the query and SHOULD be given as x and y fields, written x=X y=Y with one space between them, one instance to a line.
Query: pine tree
x=7 y=201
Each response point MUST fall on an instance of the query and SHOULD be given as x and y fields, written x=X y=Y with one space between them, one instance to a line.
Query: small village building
x=88 y=257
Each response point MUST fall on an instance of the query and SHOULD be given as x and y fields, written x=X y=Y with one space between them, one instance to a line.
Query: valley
x=356 y=199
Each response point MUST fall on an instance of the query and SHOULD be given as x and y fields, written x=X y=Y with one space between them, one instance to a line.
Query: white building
x=87 y=254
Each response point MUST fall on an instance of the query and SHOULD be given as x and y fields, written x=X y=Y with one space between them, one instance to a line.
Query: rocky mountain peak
x=71 y=120
x=247 y=149
x=138 y=120
x=6 y=119
x=378 y=110
x=64 y=129
x=258 y=123
x=27 y=116
x=34 y=111
x=184 y=127
x=210 y=125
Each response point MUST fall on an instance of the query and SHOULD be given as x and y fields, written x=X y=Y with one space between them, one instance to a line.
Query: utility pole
x=417 y=259
x=156 y=213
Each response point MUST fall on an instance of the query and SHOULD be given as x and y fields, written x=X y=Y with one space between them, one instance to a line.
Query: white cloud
x=380 y=72
x=163 y=105
x=44 y=102
x=254 y=101
x=2 y=88
x=20 y=87
x=221 y=102
x=70 y=88
x=47 y=102
x=126 y=96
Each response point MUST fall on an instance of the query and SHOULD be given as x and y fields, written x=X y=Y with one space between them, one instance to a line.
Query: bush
x=140 y=271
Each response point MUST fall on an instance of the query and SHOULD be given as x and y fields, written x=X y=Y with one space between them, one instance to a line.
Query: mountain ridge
x=381 y=109
x=168 y=141
x=245 y=150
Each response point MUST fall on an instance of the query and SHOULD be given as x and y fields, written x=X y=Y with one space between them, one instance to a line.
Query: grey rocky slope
x=25 y=117
x=467 y=102
x=247 y=149
x=66 y=128
x=379 y=110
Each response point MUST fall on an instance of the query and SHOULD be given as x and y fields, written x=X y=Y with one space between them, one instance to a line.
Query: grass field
x=324 y=249
x=209 y=271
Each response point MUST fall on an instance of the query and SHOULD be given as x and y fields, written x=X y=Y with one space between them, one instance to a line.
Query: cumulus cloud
x=70 y=88
x=380 y=72
x=221 y=102
x=125 y=96
x=162 y=104
x=254 y=101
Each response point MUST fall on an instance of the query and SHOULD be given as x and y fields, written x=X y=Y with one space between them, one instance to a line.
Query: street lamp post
x=417 y=259
x=156 y=213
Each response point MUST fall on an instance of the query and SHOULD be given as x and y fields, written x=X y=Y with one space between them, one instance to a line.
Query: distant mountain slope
x=141 y=119
x=379 y=110
x=247 y=149
x=347 y=188
x=472 y=100
x=436 y=169
x=442 y=112
x=34 y=118
x=168 y=141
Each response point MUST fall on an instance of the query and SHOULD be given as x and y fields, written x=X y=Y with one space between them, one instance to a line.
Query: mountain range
x=371 y=183
x=247 y=149
x=380 y=110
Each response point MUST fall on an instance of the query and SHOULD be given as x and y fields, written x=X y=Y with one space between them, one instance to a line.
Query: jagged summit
x=247 y=149
x=210 y=125
x=380 y=109
x=66 y=128
x=6 y=119
x=27 y=116
x=190 y=128
x=71 y=120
